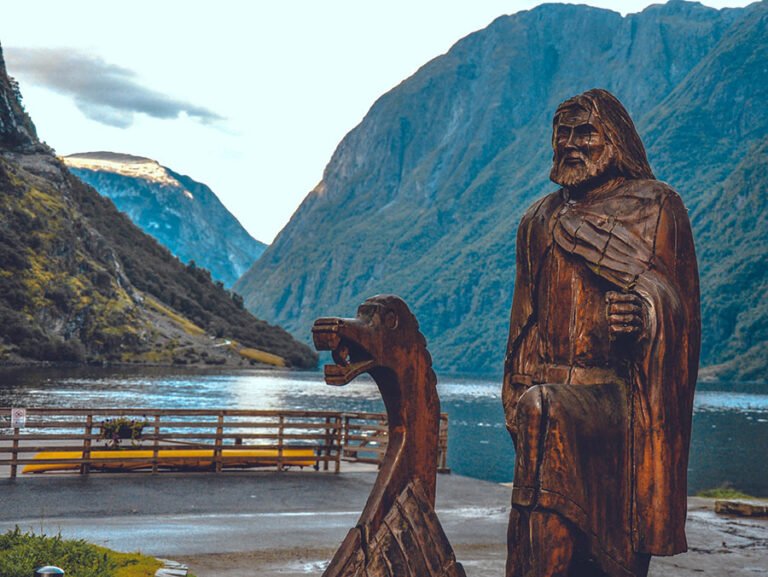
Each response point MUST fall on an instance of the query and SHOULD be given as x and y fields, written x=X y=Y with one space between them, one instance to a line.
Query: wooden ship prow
x=398 y=533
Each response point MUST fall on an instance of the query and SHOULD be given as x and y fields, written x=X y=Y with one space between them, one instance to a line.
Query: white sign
x=18 y=418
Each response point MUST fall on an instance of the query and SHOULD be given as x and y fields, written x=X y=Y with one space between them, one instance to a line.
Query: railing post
x=218 y=442
x=85 y=468
x=337 y=443
x=156 y=445
x=442 y=456
x=327 y=442
x=385 y=443
x=14 y=452
x=280 y=426
x=345 y=439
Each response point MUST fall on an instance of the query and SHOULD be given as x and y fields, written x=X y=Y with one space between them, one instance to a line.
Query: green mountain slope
x=710 y=135
x=182 y=214
x=424 y=196
x=80 y=282
x=733 y=228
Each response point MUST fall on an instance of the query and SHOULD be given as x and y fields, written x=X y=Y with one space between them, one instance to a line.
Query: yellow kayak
x=181 y=458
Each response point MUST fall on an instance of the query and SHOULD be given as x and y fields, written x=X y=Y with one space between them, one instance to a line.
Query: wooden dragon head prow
x=383 y=336
x=384 y=341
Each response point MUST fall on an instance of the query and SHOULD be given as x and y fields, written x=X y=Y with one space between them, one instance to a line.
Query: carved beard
x=581 y=174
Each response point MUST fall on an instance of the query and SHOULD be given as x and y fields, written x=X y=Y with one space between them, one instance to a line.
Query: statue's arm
x=673 y=270
x=663 y=385
x=632 y=313
x=516 y=380
x=674 y=249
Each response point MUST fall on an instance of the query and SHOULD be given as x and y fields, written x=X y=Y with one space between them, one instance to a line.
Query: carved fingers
x=625 y=314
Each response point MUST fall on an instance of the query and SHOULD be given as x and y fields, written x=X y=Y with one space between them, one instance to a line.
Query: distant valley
x=182 y=214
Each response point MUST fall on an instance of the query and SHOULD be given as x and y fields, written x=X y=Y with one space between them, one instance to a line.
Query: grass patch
x=189 y=327
x=723 y=492
x=133 y=564
x=21 y=553
x=260 y=356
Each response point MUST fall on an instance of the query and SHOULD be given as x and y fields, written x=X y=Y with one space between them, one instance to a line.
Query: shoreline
x=212 y=367
x=705 y=383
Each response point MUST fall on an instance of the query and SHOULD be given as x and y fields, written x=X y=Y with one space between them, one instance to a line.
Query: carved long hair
x=620 y=131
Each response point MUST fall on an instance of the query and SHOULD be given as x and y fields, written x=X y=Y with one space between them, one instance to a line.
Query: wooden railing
x=188 y=439
x=364 y=438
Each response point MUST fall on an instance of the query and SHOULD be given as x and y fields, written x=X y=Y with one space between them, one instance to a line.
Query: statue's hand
x=625 y=314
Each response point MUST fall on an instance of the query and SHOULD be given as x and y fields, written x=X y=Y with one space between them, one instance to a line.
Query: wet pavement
x=289 y=524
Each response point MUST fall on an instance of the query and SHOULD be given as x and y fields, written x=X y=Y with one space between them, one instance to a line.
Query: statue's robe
x=602 y=426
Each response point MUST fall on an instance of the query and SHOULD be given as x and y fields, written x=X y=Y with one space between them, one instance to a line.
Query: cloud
x=104 y=92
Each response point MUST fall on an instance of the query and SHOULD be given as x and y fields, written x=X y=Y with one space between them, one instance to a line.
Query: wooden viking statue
x=602 y=356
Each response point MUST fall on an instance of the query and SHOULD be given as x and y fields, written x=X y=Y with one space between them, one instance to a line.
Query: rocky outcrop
x=423 y=198
x=182 y=214
x=17 y=132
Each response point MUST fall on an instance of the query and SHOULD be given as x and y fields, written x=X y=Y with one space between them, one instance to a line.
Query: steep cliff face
x=17 y=132
x=182 y=214
x=79 y=282
x=711 y=135
x=424 y=196
x=733 y=228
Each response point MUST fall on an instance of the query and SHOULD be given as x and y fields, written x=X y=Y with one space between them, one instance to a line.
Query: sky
x=248 y=97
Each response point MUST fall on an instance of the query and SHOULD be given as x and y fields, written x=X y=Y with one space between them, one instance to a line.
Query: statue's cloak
x=636 y=237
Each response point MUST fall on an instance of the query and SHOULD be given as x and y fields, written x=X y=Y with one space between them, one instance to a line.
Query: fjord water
x=730 y=430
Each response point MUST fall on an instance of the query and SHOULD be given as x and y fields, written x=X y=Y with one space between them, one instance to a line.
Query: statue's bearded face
x=582 y=152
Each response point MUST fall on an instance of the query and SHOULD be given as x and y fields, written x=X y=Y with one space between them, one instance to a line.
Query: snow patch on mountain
x=125 y=165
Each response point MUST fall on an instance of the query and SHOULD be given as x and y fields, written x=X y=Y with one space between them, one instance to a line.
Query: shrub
x=121 y=428
x=724 y=491
x=21 y=553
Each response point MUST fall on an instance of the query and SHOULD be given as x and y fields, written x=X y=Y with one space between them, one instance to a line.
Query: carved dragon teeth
x=341 y=354
x=343 y=375
x=325 y=334
x=327 y=323
x=350 y=359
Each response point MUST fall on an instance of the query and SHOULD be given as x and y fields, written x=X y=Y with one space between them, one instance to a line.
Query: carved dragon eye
x=366 y=311
x=390 y=320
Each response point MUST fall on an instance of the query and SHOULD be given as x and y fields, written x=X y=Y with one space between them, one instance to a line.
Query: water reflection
x=730 y=430
x=717 y=401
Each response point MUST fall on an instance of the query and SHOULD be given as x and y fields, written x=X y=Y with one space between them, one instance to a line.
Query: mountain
x=182 y=214
x=80 y=282
x=423 y=197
